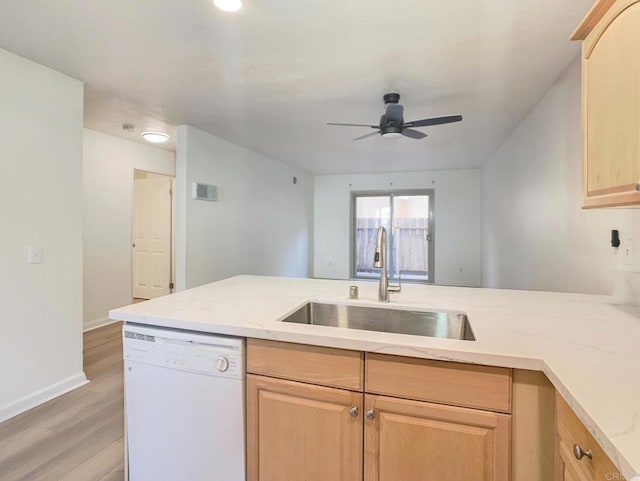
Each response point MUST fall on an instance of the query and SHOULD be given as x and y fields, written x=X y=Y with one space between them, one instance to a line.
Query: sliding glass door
x=408 y=218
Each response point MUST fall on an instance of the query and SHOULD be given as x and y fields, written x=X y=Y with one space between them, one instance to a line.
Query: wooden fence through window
x=411 y=240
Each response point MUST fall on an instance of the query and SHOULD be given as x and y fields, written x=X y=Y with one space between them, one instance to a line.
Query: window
x=408 y=219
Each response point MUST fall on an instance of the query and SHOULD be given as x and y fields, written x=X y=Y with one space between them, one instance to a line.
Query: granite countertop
x=588 y=346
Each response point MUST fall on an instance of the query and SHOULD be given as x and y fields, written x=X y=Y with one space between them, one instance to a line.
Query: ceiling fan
x=392 y=123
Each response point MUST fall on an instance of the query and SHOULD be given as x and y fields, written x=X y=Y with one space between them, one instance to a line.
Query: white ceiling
x=270 y=76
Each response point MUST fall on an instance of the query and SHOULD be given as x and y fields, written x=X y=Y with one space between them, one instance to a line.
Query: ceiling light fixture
x=391 y=135
x=228 y=5
x=155 y=137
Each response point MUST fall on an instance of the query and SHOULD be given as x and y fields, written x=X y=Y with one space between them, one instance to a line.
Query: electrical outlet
x=34 y=255
x=627 y=252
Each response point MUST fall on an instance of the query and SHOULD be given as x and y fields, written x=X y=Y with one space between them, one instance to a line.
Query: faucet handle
x=397 y=288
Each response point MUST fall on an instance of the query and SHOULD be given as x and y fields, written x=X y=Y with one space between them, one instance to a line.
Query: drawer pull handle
x=371 y=414
x=580 y=453
x=354 y=411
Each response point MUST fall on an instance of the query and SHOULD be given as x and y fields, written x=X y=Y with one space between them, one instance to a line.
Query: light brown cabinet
x=572 y=436
x=571 y=472
x=298 y=431
x=302 y=424
x=414 y=440
x=611 y=103
x=570 y=469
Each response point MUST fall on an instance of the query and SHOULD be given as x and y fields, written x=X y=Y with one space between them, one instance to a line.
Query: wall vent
x=204 y=192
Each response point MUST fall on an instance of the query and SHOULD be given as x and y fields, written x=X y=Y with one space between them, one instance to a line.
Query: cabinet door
x=417 y=441
x=570 y=432
x=571 y=468
x=302 y=432
x=611 y=107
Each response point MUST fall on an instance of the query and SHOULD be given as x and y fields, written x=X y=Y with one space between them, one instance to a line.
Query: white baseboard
x=43 y=395
x=96 y=323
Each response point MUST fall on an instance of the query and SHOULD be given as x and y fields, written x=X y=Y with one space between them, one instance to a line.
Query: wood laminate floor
x=77 y=436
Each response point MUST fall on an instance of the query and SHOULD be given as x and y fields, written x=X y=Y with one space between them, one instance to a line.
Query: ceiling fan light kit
x=392 y=124
x=391 y=135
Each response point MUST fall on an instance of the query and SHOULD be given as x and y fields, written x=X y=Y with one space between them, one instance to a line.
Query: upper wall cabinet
x=611 y=103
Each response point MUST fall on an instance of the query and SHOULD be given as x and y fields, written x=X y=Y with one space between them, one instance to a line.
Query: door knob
x=371 y=414
x=354 y=411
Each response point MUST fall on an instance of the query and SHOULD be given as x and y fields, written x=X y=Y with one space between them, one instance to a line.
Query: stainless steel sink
x=445 y=324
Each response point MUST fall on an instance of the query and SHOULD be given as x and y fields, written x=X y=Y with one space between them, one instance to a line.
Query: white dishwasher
x=184 y=396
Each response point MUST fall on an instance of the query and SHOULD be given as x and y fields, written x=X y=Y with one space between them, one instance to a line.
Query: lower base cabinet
x=323 y=414
x=299 y=431
x=569 y=470
x=302 y=432
x=416 y=441
x=580 y=457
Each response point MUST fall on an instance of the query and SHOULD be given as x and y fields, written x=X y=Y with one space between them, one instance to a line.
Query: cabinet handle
x=354 y=411
x=371 y=414
x=638 y=186
x=579 y=453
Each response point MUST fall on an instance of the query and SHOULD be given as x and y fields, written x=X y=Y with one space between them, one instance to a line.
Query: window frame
x=391 y=193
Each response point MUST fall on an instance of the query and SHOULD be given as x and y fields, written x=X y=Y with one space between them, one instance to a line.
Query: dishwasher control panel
x=195 y=352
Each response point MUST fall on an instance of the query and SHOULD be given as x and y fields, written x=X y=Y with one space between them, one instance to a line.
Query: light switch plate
x=34 y=255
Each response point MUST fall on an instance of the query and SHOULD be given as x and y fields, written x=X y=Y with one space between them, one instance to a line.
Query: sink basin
x=444 y=324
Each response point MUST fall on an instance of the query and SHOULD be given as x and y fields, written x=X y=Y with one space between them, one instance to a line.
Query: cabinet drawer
x=468 y=385
x=313 y=364
x=571 y=431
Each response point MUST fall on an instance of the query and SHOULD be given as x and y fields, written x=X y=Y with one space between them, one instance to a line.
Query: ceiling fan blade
x=367 y=135
x=354 y=125
x=394 y=112
x=434 y=121
x=414 y=134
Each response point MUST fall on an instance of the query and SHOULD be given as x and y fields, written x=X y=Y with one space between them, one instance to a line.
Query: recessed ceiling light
x=228 y=5
x=155 y=137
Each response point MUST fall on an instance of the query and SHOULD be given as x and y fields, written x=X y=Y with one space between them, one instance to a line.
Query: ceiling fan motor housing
x=391 y=98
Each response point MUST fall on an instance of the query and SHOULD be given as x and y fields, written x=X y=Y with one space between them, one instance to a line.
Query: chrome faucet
x=380 y=262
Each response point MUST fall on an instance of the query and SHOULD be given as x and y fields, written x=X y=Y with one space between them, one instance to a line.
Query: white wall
x=536 y=236
x=108 y=165
x=458 y=222
x=261 y=224
x=40 y=204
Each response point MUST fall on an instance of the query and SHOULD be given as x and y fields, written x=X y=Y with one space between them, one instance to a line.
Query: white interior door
x=151 y=236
